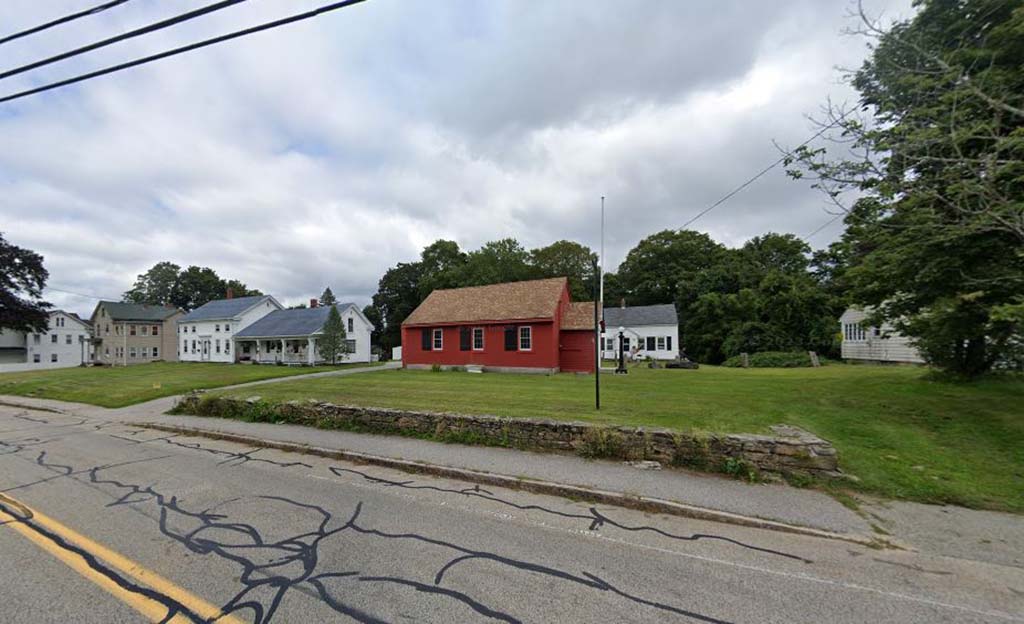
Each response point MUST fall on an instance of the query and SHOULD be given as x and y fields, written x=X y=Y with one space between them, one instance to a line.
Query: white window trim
x=659 y=343
x=482 y=338
x=437 y=340
x=529 y=338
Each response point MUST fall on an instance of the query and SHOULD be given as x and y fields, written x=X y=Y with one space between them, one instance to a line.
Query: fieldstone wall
x=790 y=450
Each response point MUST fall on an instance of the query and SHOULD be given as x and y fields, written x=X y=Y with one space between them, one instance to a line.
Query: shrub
x=435 y=368
x=772 y=359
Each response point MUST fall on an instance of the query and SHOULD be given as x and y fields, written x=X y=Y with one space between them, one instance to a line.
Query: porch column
x=311 y=350
x=257 y=350
x=284 y=352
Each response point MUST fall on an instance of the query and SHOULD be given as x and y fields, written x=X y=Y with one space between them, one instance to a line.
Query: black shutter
x=651 y=344
x=510 y=338
x=465 y=339
x=426 y=339
x=668 y=342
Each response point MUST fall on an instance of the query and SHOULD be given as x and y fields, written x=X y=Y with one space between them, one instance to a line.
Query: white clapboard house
x=648 y=332
x=66 y=342
x=863 y=342
x=206 y=334
x=289 y=336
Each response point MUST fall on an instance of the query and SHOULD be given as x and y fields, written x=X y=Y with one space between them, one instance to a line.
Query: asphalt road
x=102 y=522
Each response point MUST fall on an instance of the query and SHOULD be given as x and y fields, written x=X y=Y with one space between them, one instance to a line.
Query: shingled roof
x=290 y=323
x=222 y=308
x=664 y=314
x=579 y=315
x=533 y=299
x=119 y=311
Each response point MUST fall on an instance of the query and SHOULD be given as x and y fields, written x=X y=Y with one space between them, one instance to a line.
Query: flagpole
x=600 y=277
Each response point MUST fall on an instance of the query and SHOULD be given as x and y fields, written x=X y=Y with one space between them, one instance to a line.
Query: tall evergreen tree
x=332 y=342
x=328 y=298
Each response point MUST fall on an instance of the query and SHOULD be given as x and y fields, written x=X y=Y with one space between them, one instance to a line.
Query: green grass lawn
x=120 y=386
x=904 y=435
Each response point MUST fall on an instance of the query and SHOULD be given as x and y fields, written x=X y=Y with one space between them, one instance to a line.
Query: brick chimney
x=313 y=303
x=230 y=293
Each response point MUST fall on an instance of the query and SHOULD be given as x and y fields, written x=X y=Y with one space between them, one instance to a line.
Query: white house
x=289 y=336
x=874 y=344
x=67 y=342
x=206 y=334
x=648 y=331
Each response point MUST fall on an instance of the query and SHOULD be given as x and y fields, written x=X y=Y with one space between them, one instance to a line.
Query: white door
x=205 y=353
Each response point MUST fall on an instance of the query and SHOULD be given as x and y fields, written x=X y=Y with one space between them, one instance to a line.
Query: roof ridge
x=539 y=279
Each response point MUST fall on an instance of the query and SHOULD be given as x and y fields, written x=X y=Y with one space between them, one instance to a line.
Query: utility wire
x=188 y=48
x=823 y=226
x=78 y=294
x=751 y=180
x=62 y=20
x=155 y=26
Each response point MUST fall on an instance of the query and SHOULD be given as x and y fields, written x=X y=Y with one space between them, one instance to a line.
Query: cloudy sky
x=324 y=152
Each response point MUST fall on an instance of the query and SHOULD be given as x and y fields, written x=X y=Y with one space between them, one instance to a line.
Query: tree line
x=168 y=284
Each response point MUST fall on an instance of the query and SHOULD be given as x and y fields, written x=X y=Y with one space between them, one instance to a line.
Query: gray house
x=648 y=331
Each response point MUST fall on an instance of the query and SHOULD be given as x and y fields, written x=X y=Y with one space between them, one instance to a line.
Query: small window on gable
x=156 y=330
x=525 y=338
x=351 y=325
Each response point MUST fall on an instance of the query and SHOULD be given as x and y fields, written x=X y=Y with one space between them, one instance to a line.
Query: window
x=193 y=346
x=193 y=329
x=106 y=351
x=216 y=327
x=661 y=343
x=227 y=327
x=108 y=329
x=145 y=330
x=227 y=346
x=131 y=352
x=156 y=330
x=625 y=343
x=184 y=346
x=59 y=321
x=351 y=325
x=156 y=352
x=217 y=344
x=351 y=345
x=53 y=338
x=609 y=344
x=668 y=342
x=131 y=330
x=35 y=358
x=525 y=338
x=35 y=338
x=478 y=338
x=438 y=339
x=67 y=339
x=53 y=357
x=651 y=341
x=853 y=331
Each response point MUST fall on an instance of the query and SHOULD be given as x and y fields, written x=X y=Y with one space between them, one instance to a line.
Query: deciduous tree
x=22 y=279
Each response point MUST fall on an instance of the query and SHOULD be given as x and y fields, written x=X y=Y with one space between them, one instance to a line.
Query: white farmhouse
x=289 y=336
x=648 y=331
x=206 y=334
x=67 y=342
x=874 y=344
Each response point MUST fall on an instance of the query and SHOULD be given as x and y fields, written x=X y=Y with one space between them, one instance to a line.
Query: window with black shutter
x=668 y=342
x=650 y=343
x=465 y=339
x=426 y=339
x=511 y=340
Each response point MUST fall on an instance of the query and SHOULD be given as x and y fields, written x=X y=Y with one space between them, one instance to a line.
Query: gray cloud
x=326 y=152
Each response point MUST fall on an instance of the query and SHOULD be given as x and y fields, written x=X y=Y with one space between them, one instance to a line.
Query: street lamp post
x=621 y=369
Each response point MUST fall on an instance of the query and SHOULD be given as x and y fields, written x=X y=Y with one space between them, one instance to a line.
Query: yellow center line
x=152 y=609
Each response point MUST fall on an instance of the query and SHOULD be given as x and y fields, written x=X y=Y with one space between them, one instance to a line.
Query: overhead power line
x=78 y=294
x=181 y=50
x=62 y=20
x=750 y=181
x=824 y=225
x=155 y=26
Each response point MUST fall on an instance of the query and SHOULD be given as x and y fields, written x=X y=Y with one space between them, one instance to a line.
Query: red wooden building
x=526 y=326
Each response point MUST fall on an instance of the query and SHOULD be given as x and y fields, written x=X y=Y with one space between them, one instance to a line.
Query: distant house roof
x=222 y=308
x=664 y=314
x=119 y=311
x=579 y=315
x=287 y=323
x=533 y=299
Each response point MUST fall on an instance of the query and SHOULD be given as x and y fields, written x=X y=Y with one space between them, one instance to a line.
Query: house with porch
x=289 y=336
x=650 y=331
x=206 y=333
x=134 y=333
x=529 y=327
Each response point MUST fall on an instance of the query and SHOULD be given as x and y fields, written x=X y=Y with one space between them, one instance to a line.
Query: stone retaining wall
x=790 y=450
